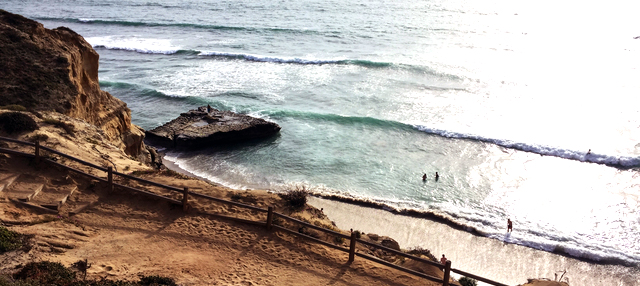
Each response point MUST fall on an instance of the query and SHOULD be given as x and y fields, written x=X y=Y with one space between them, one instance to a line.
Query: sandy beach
x=504 y=262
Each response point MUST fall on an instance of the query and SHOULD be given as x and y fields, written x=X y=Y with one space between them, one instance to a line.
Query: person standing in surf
x=509 y=225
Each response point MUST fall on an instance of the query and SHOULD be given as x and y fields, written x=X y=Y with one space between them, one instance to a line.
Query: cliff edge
x=57 y=70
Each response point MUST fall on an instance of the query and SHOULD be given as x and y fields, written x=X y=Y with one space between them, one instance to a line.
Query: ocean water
x=527 y=110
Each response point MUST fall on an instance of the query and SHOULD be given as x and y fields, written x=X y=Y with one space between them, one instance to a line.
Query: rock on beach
x=201 y=128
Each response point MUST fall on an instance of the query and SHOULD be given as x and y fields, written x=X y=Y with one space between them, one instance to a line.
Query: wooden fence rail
x=270 y=215
x=127 y=176
x=313 y=226
x=72 y=158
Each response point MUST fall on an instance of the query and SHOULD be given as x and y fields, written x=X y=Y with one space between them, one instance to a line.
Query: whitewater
x=524 y=119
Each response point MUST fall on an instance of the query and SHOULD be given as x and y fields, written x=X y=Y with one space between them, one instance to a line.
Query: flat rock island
x=206 y=127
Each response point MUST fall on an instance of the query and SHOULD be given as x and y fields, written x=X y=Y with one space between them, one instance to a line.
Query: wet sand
x=506 y=263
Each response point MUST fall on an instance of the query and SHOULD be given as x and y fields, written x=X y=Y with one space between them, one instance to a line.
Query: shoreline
x=372 y=217
x=483 y=256
x=438 y=218
x=428 y=215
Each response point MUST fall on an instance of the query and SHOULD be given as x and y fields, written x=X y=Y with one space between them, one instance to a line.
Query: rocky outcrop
x=57 y=70
x=201 y=128
x=390 y=243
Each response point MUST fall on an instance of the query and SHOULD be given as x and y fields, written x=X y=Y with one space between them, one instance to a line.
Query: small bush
x=422 y=251
x=295 y=199
x=139 y=173
x=466 y=281
x=9 y=240
x=236 y=197
x=156 y=281
x=6 y=281
x=14 y=107
x=338 y=239
x=358 y=234
x=54 y=273
x=46 y=273
x=14 y=122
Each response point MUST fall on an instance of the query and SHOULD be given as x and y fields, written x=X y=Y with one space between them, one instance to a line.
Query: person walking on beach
x=443 y=260
x=509 y=225
x=437 y=176
x=424 y=177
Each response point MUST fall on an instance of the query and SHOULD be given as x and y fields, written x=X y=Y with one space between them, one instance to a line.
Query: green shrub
x=236 y=197
x=14 y=107
x=55 y=274
x=295 y=199
x=14 y=122
x=358 y=234
x=5 y=281
x=9 y=240
x=422 y=251
x=139 y=173
x=46 y=273
x=466 y=281
x=156 y=281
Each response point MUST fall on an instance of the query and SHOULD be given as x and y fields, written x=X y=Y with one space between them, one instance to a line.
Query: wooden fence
x=269 y=223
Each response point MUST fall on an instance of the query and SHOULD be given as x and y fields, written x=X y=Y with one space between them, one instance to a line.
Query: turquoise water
x=503 y=99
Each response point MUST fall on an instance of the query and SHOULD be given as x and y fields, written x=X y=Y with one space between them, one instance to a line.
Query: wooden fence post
x=270 y=218
x=352 y=247
x=110 y=178
x=37 y=152
x=447 y=273
x=185 y=199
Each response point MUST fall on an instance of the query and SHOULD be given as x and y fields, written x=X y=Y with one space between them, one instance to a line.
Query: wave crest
x=613 y=161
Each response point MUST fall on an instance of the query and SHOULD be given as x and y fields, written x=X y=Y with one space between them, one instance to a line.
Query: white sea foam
x=620 y=161
x=258 y=58
x=183 y=164
x=140 y=45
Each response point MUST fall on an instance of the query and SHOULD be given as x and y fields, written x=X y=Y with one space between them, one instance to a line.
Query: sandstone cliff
x=57 y=70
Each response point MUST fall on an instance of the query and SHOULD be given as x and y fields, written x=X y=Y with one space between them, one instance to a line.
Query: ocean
x=526 y=110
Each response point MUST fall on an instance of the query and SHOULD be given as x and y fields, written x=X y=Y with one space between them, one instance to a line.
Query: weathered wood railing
x=269 y=224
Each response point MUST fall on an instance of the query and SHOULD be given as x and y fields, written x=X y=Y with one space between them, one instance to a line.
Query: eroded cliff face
x=43 y=69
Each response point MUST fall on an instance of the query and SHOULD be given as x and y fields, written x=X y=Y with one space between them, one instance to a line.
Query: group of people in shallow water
x=509 y=223
x=443 y=260
x=424 y=177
